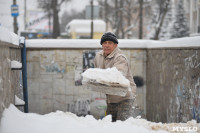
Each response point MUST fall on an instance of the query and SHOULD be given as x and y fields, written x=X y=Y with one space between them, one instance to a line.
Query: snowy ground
x=15 y=121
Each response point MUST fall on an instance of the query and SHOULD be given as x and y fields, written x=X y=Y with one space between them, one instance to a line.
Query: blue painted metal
x=24 y=73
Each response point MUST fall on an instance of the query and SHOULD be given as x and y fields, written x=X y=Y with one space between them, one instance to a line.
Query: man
x=121 y=108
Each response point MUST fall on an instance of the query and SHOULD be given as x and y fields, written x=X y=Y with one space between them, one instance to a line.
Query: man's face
x=108 y=47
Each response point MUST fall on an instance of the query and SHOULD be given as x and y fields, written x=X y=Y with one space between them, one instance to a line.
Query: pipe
x=24 y=73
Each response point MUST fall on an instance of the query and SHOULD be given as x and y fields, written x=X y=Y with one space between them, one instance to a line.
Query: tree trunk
x=129 y=17
x=156 y=37
x=106 y=13
x=116 y=18
x=49 y=17
x=121 y=19
x=141 y=20
x=56 y=26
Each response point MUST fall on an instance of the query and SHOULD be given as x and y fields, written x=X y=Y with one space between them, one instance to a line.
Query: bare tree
x=141 y=20
x=159 y=17
x=52 y=7
x=46 y=6
x=121 y=22
x=116 y=29
x=67 y=17
x=56 y=26
x=180 y=26
x=120 y=14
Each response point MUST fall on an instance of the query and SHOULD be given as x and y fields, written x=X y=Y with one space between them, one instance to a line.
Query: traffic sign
x=14 y=10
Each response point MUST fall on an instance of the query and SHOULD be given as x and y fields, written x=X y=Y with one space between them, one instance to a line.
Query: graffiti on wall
x=80 y=107
x=78 y=78
x=88 y=57
x=54 y=67
x=196 y=101
x=192 y=61
x=188 y=91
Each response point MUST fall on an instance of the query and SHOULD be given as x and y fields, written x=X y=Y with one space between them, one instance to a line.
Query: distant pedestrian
x=120 y=107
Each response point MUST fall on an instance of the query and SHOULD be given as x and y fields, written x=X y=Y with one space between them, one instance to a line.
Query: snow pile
x=19 y=101
x=15 y=121
x=16 y=64
x=109 y=76
x=9 y=37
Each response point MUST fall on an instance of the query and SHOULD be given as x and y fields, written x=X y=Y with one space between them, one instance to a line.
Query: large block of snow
x=108 y=81
x=16 y=65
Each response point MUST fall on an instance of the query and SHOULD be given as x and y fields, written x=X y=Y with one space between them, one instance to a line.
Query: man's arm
x=95 y=62
x=121 y=64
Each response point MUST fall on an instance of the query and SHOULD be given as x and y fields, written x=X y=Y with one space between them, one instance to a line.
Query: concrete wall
x=52 y=74
x=171 y=92
x=171 y=76
x=9 y=79
x=173 y=84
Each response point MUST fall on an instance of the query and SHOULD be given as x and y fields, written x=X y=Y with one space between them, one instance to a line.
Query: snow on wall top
x=63 y=43
x=7 y=36
x=123 y=43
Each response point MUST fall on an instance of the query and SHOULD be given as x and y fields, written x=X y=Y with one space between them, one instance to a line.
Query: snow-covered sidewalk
x=15 y=121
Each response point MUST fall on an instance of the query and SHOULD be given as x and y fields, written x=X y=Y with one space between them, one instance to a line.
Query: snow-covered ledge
x=16 y=65
x=9 y=37
x=123 y=43
x=19 y=101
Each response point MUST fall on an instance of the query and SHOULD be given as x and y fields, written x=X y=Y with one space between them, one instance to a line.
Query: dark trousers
x=122 y=110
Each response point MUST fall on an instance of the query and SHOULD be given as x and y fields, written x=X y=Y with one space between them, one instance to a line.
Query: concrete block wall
x=173 y=84
x=51 y=80
x=52 y=74
x=9 y=79
x=137 y=59
x=171 y=76
x=170 y=70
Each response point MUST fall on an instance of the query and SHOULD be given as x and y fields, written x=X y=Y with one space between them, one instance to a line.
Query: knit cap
x=109 y=36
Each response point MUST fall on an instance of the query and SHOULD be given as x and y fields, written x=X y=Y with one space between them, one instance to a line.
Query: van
x=81 y=29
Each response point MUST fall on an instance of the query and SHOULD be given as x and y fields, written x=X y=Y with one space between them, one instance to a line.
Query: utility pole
x=91 y=19
x=191 y=17
x=116 y=17
x=25 y=22
x=106 y=12
x=141 y=20
x=49 y=17
x=15 y=20
x=56 y=26
x=121 y=22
